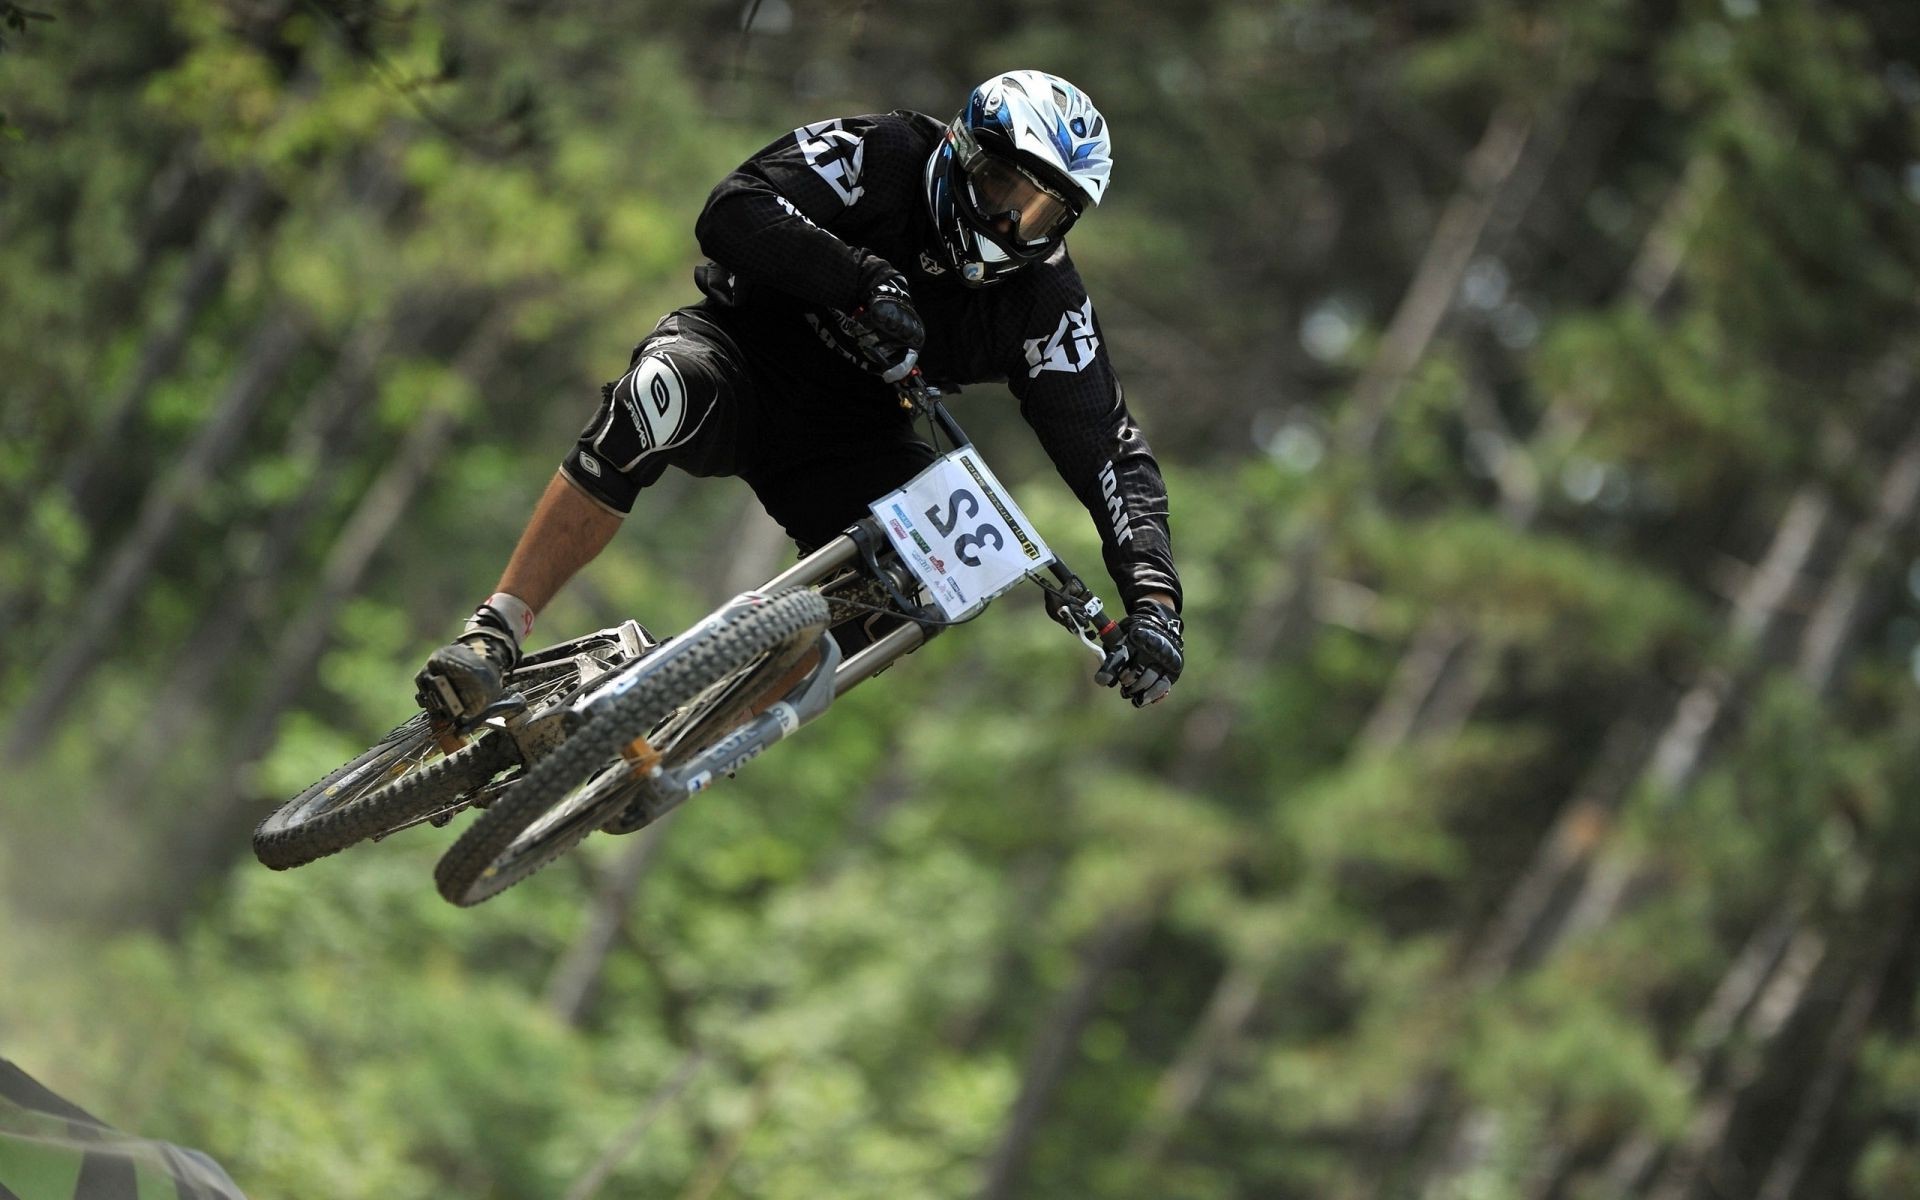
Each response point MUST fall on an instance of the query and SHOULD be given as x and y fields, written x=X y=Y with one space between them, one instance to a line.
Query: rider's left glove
x=1147 y=664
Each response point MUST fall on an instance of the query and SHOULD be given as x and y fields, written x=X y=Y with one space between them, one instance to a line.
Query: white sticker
x=961 y=534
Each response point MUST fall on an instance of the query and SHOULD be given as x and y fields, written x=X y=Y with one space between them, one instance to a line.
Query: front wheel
x=584 y=783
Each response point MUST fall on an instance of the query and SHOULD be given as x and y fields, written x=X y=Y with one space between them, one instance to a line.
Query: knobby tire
x=490 y=857
x=413 y=797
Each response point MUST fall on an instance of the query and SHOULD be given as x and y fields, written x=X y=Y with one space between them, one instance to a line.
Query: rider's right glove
x=1147 y=664
x=886 y=308
x=462 y=679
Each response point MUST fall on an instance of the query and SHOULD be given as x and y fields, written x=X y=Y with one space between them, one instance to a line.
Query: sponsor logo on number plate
x=993 y=498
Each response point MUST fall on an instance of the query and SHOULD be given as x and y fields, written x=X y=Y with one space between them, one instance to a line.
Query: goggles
x=1007 y=199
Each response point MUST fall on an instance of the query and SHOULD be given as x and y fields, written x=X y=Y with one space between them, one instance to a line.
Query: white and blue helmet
x=1026 y=156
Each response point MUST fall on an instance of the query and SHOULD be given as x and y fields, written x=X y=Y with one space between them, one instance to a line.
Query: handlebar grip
x=903 y=368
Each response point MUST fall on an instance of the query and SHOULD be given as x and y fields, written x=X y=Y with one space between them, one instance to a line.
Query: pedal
x=507 y=705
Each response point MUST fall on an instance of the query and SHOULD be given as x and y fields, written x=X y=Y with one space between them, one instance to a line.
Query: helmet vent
x=1061 y=100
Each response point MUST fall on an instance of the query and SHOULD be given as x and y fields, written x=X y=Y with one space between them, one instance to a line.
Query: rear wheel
x=682 y=698
x=402 y=780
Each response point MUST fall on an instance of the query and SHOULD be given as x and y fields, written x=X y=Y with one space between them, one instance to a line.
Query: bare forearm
x=567 y=531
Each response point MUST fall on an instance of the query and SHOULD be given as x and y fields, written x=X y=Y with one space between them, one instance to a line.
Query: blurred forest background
x=1537 y=818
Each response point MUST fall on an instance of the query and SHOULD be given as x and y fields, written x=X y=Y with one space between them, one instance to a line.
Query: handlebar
x=1072 y=603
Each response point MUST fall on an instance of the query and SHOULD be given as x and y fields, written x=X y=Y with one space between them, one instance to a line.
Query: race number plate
x=960 y=532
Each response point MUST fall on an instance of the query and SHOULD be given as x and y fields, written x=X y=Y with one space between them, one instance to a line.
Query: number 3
x=979 y=537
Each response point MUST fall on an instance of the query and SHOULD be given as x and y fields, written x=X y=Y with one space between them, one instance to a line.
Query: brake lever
x=1079 y=610
x=870 y=340
x=1064 y=614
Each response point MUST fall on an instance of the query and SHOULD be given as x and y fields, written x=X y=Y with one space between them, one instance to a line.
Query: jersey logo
x=1070 y=348
x=788 y=205
x=836 y=156
x=929 y=266
x=1116 y=507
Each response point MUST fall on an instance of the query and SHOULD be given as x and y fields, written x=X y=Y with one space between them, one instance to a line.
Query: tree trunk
x=1436 y=282
x=238 y=211
x=1429 y=297
x=216 y=835
x=713 y=1172
x=1535 y=916
x=324 y=436
x=1118 y=935
x=1782 y=1181
x=588 y=1185
x=575 y=979
x=1778 y=1003
x=1433 y=692
x=1740 y=987
x=1416 y=681
x=1680 y=752
x=1836 y=619
x=111 y=598
x=755 y=548
x=1228 y=1010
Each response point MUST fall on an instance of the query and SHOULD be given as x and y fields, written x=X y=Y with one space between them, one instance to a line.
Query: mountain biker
x=945 y=242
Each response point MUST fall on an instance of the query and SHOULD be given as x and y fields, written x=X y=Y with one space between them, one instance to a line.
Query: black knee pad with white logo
x=674 y=407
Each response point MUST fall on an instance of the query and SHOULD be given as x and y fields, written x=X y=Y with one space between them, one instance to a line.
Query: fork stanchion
x=893 y=644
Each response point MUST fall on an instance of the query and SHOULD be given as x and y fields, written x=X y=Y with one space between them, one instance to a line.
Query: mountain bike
x=613 y=731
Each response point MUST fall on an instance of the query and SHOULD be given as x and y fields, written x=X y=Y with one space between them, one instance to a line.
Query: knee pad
x=642 y=415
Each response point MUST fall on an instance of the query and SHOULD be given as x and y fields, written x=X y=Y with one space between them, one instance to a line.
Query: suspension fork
x=861 y=545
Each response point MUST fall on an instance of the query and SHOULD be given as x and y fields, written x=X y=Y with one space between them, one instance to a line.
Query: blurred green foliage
x=1506 y=838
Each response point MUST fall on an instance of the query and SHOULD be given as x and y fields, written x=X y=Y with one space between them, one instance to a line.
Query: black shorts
x=692 y=399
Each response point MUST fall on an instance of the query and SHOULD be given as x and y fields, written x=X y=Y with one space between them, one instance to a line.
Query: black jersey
x=792 y=224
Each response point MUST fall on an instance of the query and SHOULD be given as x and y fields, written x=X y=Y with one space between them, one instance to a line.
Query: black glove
x=461 y=680
x=895 y=332
x=1146 y=665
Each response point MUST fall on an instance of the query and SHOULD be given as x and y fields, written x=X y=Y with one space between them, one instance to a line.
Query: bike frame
x=862 y=553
